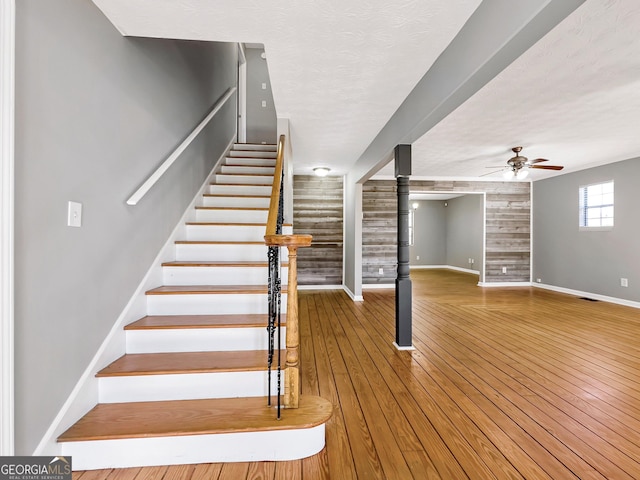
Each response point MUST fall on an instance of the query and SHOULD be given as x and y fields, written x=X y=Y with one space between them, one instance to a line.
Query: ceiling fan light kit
x=518 y=166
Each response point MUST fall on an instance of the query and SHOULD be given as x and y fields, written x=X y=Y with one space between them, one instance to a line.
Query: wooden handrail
x=291 y=397
x=272 y=219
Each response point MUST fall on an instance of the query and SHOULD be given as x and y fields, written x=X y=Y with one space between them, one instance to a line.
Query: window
x=596 y=205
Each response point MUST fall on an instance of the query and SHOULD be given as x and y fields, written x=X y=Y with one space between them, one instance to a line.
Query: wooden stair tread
x=217 y=263
x=216 y=242
x=153 y=322
x=239 y=195
x=243 y=184
x=199 y=207
x=249 y=166
x=244 y=174
x=187 y=362
x=235 y=224
x=210 y=289
x=110 y=421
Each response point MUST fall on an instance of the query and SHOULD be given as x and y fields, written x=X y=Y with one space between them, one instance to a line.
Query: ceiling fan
x=519 y=165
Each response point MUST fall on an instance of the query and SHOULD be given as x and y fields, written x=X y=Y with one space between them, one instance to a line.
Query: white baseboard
x=353 y=296
x=595 y=296
x=320 y=287
x=84 y=396
x=443 y=267
x=504 y=284
x=398 y=347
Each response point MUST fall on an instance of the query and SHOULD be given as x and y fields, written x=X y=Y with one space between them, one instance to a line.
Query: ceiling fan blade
x=538 y=160
x=547 y=167
x=489 y=173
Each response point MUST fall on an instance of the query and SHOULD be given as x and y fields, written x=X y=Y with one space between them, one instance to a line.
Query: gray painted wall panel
x=592 y=261
x=464 y=231
x=430 y=233
x=261 y=121
x=96 y=113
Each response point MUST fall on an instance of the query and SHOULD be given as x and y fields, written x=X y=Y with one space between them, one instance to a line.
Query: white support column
x=7 y=108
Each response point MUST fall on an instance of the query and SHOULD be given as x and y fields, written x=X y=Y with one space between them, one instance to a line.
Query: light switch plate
x=74 y=214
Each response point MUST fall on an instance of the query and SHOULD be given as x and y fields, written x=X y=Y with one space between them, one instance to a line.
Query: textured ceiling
x=573 y=98
x=339 y=69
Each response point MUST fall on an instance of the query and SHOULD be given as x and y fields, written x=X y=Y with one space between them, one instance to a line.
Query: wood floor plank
x=125 y=473
x=152 y=473
x=207 y=471
x=234 y=471
x=504 y=383
x=290 y=471
x=261 y=471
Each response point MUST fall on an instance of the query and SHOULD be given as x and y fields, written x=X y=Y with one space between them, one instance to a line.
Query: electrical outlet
x=264 y=86
x=624 y=282
x=473 y=261
x=74 y=214
x=504 y=269
x=264 y=103
x=469 y=260
x=417 y=257
x=381 y=271
x=539 y=280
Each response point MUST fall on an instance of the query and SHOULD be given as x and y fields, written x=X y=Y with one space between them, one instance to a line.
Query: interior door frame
x=7 y=139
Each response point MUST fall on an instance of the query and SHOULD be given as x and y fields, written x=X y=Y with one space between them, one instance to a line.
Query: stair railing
x=274 y=239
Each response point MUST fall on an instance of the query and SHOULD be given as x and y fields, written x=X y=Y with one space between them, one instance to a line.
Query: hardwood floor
x=504 y=383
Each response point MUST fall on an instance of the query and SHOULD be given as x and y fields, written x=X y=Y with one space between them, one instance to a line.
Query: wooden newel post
x=292 y=366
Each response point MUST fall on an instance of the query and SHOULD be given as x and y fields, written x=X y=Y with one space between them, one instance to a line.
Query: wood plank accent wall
x=318 y=211
x=508 y=227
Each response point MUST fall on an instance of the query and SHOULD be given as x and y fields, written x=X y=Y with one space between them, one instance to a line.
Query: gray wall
x=317 y=211
x=430 y=233
x=261 y=121
x=464 y=231
x=96 y=113
x=589 y=261
x=449 y=233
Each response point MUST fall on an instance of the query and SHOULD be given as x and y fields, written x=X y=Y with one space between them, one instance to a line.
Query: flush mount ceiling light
x=321 y=171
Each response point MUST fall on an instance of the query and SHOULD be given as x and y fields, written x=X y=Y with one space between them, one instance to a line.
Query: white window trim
x=598 y=228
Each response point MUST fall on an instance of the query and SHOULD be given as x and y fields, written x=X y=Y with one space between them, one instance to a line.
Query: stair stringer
x=85 y=394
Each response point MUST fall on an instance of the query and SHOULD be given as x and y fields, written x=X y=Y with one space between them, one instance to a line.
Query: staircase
x=192 y=386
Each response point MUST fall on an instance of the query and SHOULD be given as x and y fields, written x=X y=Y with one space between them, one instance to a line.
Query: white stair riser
x=155 y=388
x=248 y=216
x=255 y=147
x=232 y=233
x=241 y=189
x=263 y=162
x=200 y=340
x=204 y=252
x=191 y=449
x=249 y=153
x=243 y=202
x=231 y=169
x=209 y=304
x=229 y=233
x=245 y=179
x=219 y=275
